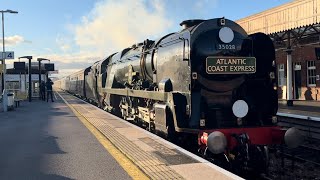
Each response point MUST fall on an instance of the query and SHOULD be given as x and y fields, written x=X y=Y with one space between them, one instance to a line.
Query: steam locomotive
x=210 y=83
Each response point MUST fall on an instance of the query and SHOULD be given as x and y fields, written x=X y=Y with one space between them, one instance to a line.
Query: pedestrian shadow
x=33 y=175
x=53 y=177
x=49 y=145
x=308 y=94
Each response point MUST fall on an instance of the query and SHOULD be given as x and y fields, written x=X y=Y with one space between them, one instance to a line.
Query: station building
x=294 y=28
x=17 y=80
x=305 y=73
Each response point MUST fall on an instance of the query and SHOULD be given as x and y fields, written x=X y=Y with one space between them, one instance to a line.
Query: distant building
x=305 y=73
x=293 y=27
x=18 y=80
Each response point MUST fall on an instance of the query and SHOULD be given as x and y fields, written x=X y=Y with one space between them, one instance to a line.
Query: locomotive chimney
x=189 y=23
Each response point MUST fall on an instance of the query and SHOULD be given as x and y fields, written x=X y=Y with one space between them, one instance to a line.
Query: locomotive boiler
x=210 y=83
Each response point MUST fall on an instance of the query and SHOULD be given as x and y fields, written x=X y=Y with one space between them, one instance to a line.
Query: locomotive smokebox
x=189 y=23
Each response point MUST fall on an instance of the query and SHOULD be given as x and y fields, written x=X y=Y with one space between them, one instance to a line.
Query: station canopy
x=297 y=20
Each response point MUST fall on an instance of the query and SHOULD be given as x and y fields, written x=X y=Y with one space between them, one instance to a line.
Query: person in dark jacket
x=43 y=90
x=49 y=84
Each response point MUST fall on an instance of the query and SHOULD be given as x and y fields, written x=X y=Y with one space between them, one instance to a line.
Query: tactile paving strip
x=171 y=156
x=155 y=168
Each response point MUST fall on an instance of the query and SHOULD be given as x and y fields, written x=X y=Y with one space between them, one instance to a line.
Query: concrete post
x=39 y=80
x=289 y=71
x=289 y=78
x=30 y=83
x=4 y=91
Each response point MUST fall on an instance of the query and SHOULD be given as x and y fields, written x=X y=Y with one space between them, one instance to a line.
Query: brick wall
x=301 y=54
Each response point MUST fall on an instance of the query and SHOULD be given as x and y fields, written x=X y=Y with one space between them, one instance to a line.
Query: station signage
x=230 y=65
x=53 y=72
x=49 y=67
x=7 y=55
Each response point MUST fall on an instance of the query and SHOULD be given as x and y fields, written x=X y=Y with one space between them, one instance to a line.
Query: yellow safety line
x=123 y=161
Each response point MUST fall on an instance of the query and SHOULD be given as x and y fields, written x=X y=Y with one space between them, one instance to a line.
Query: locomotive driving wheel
x=124 y=108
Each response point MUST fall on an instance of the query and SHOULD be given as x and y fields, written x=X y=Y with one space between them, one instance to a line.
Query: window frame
x=282 y=80
x=311 y=69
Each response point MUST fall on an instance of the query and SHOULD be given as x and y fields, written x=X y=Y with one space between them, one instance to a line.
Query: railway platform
x=71 y=139
x=303 y=115
x=301 y=108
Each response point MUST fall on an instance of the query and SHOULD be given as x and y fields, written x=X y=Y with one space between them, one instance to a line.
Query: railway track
x=309 y=151
x=303 y=153
x=309 y=126
x=308 y=154
x=301 y=162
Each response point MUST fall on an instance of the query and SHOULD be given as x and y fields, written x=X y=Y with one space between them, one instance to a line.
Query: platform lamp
x=29 y=72
x=5 y=96
x=39 y=60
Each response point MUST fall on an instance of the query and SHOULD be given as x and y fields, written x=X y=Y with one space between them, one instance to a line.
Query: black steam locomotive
x=211 y=81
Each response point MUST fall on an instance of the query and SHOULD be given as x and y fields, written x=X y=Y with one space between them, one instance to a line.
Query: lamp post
x=4 y=97
x=29 y=72
x=39 y=60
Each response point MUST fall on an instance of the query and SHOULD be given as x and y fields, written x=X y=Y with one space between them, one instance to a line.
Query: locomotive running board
x=161 y=96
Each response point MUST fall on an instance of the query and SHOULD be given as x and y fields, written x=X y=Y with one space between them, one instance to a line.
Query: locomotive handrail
x=147 y=51
x=161 y=96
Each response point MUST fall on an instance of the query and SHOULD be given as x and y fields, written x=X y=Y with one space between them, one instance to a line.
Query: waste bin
x=10 y=100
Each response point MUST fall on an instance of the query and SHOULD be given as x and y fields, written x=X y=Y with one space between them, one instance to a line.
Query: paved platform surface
x=43 y=140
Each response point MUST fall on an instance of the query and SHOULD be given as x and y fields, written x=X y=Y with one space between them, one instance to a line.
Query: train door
x=297 y=80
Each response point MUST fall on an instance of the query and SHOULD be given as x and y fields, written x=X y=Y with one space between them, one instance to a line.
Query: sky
x=74 y=34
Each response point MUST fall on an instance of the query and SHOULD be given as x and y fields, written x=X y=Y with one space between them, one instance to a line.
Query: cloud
x=116 y=24
x=48 y=49
x=65 y=47
x=64 y=42
x=65 y=72
x=14 y=40
x=77 y=59
x=27 y=41
x=202 y=4
x=113 y=25
x=65 y=63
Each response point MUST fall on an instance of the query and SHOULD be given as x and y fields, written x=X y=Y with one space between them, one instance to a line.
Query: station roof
x=292 y=15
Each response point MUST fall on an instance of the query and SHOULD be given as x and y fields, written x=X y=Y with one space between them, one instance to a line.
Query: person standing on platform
x=49 y=84
x=43 y=90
